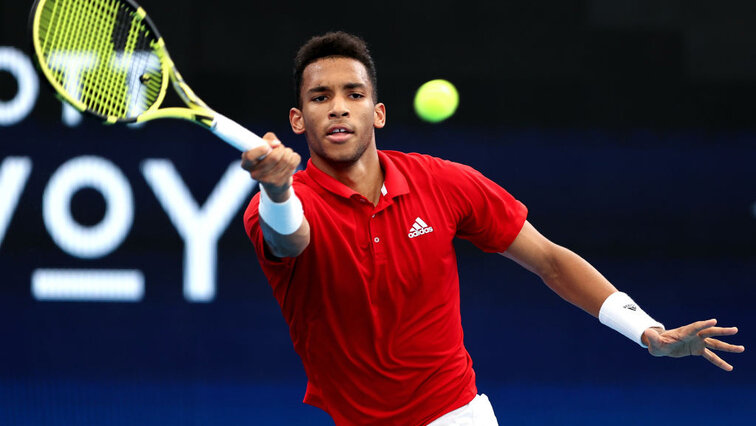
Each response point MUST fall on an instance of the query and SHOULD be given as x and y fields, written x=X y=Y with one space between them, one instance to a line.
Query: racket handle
x=234 y=134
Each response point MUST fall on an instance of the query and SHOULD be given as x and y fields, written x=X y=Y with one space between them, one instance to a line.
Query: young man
x=358 y=250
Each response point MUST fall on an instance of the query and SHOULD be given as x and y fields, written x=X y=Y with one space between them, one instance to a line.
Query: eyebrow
x=347 y=86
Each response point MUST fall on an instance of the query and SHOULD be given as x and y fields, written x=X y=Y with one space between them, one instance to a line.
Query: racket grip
x=234 y=134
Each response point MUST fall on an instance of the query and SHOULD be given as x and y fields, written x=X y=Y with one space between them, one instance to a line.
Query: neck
x=364 y=176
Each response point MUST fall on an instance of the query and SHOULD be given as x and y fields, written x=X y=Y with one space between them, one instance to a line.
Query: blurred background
x=625 y=126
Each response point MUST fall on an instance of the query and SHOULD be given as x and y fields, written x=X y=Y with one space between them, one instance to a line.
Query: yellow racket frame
x=196 y=111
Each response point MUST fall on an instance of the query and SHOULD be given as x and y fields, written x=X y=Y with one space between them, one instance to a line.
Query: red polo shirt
x=373 y=302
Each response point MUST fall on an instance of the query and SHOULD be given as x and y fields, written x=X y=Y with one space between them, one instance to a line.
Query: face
x=338 y=114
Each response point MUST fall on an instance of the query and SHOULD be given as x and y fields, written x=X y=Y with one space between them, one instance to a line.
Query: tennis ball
x=436 y=100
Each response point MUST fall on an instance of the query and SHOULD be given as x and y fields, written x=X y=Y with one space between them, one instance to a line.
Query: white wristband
x=284 y=218
x=621 y=314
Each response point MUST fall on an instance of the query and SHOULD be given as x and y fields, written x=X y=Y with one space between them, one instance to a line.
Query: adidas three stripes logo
x=419 y=228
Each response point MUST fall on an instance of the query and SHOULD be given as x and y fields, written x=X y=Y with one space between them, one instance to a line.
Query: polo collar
x=395 y=183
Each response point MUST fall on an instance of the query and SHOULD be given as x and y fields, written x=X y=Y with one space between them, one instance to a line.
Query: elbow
x=292 y=248
x=291 y=245
x=549 y=269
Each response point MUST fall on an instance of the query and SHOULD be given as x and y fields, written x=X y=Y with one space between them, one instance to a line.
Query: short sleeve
x=489 y=216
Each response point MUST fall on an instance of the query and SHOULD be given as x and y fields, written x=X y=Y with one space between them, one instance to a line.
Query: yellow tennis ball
x=436 y=100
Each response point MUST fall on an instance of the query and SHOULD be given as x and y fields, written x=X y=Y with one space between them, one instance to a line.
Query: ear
x=379 y=115
x=297 y=121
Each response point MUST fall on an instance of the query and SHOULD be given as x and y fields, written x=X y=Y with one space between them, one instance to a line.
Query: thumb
x=653 y=338
x=272 y=139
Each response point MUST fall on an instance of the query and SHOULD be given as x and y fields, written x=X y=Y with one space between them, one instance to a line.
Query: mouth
x=339 y=133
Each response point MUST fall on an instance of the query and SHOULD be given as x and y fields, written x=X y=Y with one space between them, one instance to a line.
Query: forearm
x=291 y=245
x=576 y=281
x=581 y=284
x=569 y=275
x=285 y=229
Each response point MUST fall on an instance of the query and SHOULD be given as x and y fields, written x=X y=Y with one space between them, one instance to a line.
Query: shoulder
x=439 y=171
x=416 y=163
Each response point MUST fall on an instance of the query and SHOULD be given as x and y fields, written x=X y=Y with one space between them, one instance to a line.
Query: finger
x=722 y=346
x=252 y=157
x=287 y=164
x=263 y=168
x=718 y=331
x=272 y=140
x=655 y=341
x=698 y=326
x=272 y=143
x=279 y=168
x=714 y=359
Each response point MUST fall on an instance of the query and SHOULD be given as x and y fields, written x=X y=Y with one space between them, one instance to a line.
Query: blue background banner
x=626 y=129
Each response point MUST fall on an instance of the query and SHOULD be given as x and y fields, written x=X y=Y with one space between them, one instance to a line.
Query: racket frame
x=196 y=111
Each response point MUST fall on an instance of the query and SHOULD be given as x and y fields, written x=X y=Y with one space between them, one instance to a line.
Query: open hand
x=692 y=339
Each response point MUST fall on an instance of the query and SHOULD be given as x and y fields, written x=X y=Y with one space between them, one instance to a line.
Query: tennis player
x=358 y=251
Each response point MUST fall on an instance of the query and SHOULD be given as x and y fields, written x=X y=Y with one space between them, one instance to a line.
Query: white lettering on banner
x=88 y=242
x=200 y=227
x=14 y=173
x=75 y=64
x=20 y=67
x=88 y=285
x=134 y=65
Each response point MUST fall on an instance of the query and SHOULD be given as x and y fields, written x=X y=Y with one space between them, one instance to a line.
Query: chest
x=402 y=247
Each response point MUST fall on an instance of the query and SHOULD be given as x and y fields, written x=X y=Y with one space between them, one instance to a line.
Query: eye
x=320 y=98
x=356 y=95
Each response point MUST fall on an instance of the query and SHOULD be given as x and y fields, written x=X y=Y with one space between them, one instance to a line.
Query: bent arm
x=566 y=273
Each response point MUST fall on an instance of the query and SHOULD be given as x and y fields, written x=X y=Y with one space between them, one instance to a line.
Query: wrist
x=283 y=217
x=277 y=194
x=620 y=313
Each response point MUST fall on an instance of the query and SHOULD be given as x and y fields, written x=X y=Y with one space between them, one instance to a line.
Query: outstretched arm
x=576 y=281
x=566 y=273
x=285 y=229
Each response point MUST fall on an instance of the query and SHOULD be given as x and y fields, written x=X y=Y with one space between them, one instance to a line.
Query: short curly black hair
x=333 y=44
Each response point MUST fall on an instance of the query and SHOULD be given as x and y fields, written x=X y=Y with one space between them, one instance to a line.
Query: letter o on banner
x=21 y=68
x=88 y=242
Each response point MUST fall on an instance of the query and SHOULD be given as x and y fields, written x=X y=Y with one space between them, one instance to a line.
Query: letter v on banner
x=199 y=227
x=14 y=172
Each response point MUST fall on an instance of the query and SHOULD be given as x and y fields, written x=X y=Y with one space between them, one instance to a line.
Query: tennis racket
x=106 y=58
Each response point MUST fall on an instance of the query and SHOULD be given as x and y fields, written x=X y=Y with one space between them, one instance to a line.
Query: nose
x=338 y=108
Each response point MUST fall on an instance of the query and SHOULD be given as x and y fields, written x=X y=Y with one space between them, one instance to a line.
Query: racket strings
x=112 y=99
x=103 y=55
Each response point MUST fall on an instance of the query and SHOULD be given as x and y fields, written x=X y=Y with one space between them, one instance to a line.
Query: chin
x=344 y=159
x=341 y=155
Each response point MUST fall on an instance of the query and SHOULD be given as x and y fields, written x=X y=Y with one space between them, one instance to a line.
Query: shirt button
x=376 y=239
x=373 y=215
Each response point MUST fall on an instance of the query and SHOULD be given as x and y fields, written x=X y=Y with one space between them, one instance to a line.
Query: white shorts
x=477 y=413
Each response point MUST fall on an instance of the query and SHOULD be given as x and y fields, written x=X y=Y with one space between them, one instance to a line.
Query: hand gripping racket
x=105 y=57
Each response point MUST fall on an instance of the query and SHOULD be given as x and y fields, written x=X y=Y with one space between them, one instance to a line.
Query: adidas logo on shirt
x=419 y=228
